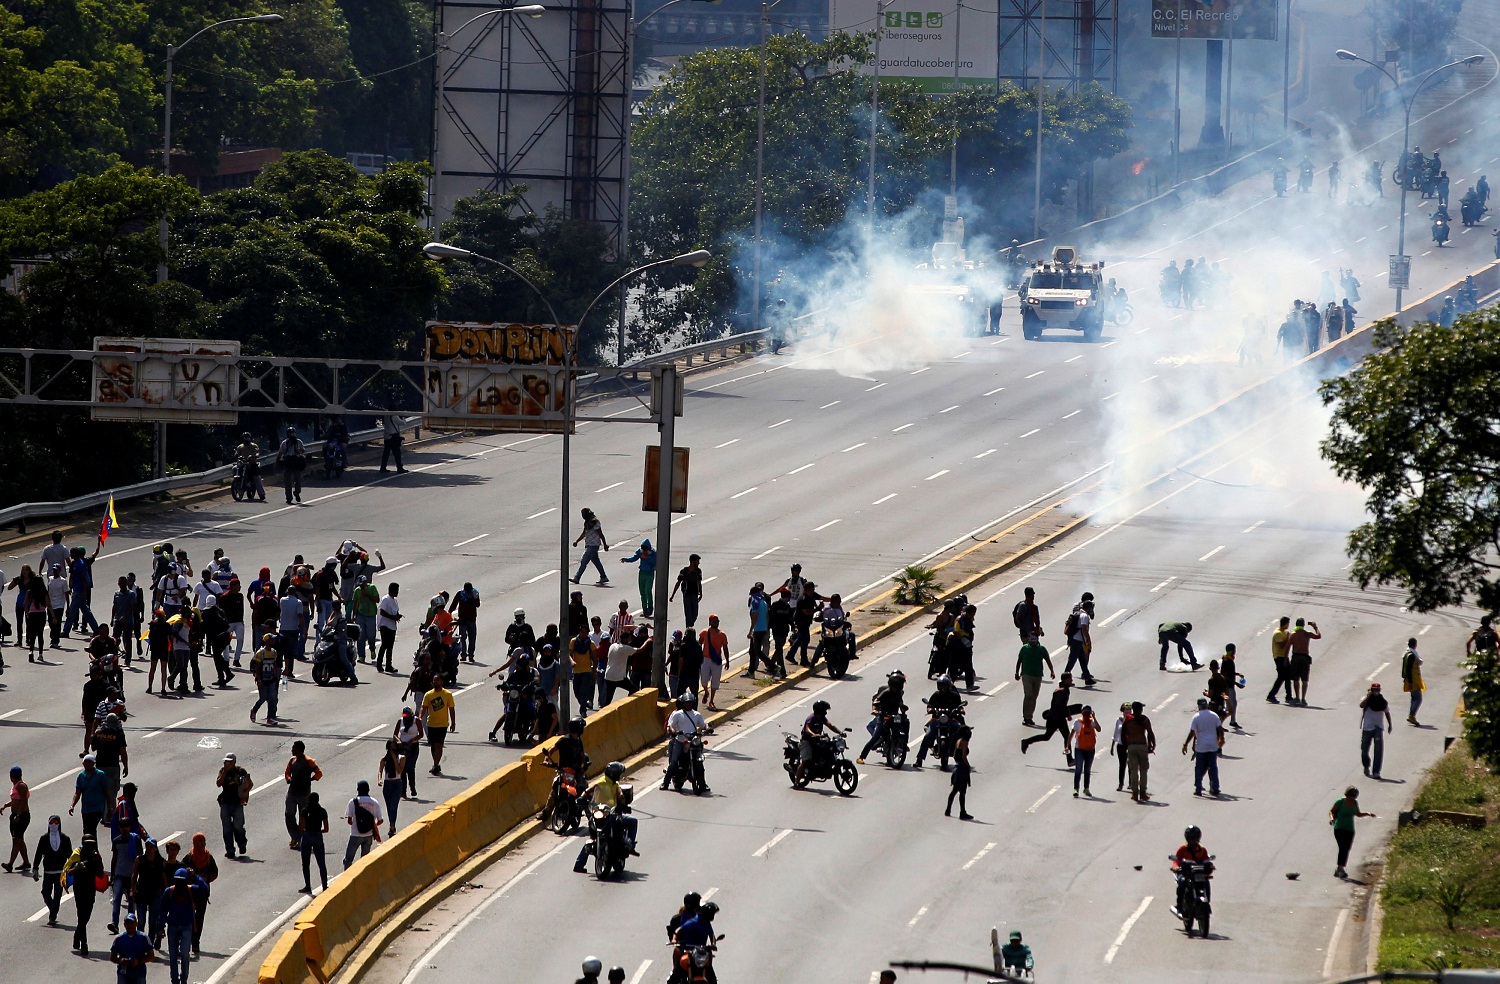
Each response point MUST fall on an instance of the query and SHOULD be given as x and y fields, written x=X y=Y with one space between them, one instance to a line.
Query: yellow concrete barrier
x=287 y=963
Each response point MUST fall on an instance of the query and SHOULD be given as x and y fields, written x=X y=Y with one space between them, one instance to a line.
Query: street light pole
x=1041 y=91
x=880 y=6
x=163 y=231
x=760 y=159
x=531 y=10
x=1411 y=99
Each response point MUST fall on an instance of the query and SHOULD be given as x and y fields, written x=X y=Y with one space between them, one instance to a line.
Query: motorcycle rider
x=334 y=634
x=1305 y=175
x=694 y=931
x=812 y=733
x=248 y=452
x=1440 y=225
x=606 y=794
x=684 y=721
x=1115 y=299
x=1278 y=178
x=1015 y=956
x=519 y=633
x=941 y=625
x=522 y=676
x=888 y=701
x=944 y=700
x=961 y=645
x=1194 y=851
x=1467 y=297
x=1171 y=285
x=568 y=753
x=592 y=968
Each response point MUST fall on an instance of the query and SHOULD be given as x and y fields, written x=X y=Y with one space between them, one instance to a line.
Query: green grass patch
x=1442 y=883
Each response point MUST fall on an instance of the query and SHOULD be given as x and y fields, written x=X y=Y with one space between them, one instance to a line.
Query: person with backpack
x=1080 y=638
x=292 y=457
x=364 y=818
x=1483 y=639
x=265 y=668
x=1411 y=679
x=1026 y=617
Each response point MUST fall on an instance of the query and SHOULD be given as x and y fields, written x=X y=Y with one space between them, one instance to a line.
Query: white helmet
x=519 y=613
x=437 y=599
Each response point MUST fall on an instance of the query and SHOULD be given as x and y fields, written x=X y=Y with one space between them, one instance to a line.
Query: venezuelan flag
x=109 y=523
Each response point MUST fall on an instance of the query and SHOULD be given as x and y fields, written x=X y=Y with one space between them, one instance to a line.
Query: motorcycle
x=1278 y=181
x=108 y=666
x=570 y=799
x=326 y=662
x=837 y=645
x=520 y=711
x=1471 y=212
x=1440 y=230
x=828 y=762
x=948 y=723
x=607 y=835
x=693 y=964
x=1010 y=967
x=937 y=657
x=893 y=744
x=688 y=767
x=1194 y=895
x=1119 y=311
x=243 y=482
x=335 y=458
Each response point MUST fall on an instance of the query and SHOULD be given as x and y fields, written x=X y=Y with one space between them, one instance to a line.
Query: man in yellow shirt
x=1281 y=642
x=439 y=716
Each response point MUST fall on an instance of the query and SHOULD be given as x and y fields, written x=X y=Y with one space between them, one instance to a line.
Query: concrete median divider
x=336 y=923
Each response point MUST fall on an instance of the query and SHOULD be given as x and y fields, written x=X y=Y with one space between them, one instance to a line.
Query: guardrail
x=19 y=515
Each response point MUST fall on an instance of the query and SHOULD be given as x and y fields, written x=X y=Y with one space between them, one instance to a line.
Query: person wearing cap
x=292 y=457
x=19 y=806
x=53 y=850
x=1015 y=956
x=364 y=602
x=171 y=590
x=1206 y=736
x=465 y=604
x=690 y=583
x=325 y=587
x=645 y=555
x=1169 y=634
x=234 y=792
x=364 y=818
x=408 y=733
x=179 y=914
x=91 y=788
x=593 y=539
x=1373 y=709
x=1081 y=639
x=148 y=880
x=87 y=870
x=131 y=951
x=58 y=593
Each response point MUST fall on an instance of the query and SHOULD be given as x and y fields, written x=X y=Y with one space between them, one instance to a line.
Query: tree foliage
x=1416 y=427
x=1421 y=28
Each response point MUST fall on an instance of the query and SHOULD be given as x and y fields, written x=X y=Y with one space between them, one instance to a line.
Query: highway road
x=814 y=886
x=853 y=458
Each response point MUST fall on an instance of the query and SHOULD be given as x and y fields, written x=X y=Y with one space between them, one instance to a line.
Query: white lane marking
x=1254 y=526
x=618 y=484
x=1035 y=430
x=760 y=852
x=1333 y=943
x=11 y=714
x=1150 y=377
x=964 y=353
x=682 y=517
x=1163 y=584
x=917 y=371
x=640 y=973
x=936 y=474
x=875 y=387
x=362 y=734
x=994 y=391
x=399 y=567
x=991 y=693
x=1360 y=239
x=999 y=340
x=1109 y=397
x=833 y=404
x=853 y=447
x=1113 y=617
x=976 y=858
x=802 y=468
x=544 y=574
x=917 y=918
x=465 y=543
x=1035 y=374
x=766 y=553
x=1045 y=797
x=1109 y=956
x=1073 y=414
x=954 y=407
x=1212 y=552
x=626 y=410
x=1142 y=331
x=714 y=577
x=479 y=910
x=1074 y=359
x=903 y=427
x=819 y=529
x=1170 y=698
x=174 y=724
x=1382 y=666
x=1425 y=629
x=733 y=440
x=277 y=782
x=779 y=423
x=746 y=492
x=885 y=498
x=708 y=894
x=43 y=785
x=544 y=512
x=985 y=454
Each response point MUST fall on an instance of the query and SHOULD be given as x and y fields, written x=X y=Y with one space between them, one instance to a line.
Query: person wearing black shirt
x=889 y=700
x=1056 y=715
x=945 y=698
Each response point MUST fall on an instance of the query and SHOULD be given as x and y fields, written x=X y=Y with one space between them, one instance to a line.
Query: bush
x=916 y=585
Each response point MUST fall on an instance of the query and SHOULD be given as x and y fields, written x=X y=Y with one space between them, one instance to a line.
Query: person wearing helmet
x=519 y=634
x=888 y=701
x=1192 y=850
x=248 y=453
x=444 y=648
x=292 y=457
x=520 y=674
x=1373 y=708
x=616 y=975
x=944 y=700
x=1015 y=956
x=684 y=721
x=592 y=968
x=694 y=931
x=606 y=794
x=812 y=734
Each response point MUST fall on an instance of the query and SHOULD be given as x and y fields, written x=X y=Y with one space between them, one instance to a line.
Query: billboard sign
x=497 y=376
x=169 y=380
x=918 y=38
x=1240 y=20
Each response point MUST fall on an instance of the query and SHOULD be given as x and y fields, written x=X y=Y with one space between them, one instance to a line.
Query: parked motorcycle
x=1194 y=897
x=326 y=662
x=828 y=762
x=688 y=767
x=607 y=835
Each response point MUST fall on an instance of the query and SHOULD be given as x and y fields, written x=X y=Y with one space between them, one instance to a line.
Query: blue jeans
x=590 y=556
x=1416 y=702
x=268 y=697
x=179 y=951
x=79 y=611
x=1367 y=739
x=1206 y=762
x=583 y=689
x=468 y=630
x=358 y=844
x=367 y=635
x=1083 y=766
x=325 y=609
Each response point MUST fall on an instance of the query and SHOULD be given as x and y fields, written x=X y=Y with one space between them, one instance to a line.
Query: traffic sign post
x=1400 y=272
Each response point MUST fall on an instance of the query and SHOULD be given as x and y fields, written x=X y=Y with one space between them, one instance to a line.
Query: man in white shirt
x=1081 y=639
x=171 y=590
x=1375 y=710
x=685 y=721
x=54 y=553
x=206 y=592
x=1206 y=735
x=364 y=818
x=386 y=618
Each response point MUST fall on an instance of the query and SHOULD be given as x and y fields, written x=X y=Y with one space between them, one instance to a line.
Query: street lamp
x=532 y=10
x=162 y=231
x=1348 y=55
x=697 y=258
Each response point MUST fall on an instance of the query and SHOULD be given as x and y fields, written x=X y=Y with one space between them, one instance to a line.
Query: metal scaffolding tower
x=1080 y=46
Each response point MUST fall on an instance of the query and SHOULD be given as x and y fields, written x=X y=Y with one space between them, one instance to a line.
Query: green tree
x=388 y=109
x=1420 y=28
x=1415 y=427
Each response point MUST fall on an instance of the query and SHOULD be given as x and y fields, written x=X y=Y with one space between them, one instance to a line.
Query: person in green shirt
x=1341 y=817
x=365 y=600
x=1029 y=662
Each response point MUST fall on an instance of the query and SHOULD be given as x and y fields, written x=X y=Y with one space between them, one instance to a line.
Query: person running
x=1085 y=739
x=1029 y=662
x=1280 y=647
x=1341 y=817
x=1374 y=711
x=593 y=541
x=1140 y=744
x=439 y=717
x=1056 y=715
x=1176 y=633
x=646 y=578
x=962 y=770
x=19 y=806
x=1300 y=661
x=1206 y=736
x=312 y=824
x=1411 y=679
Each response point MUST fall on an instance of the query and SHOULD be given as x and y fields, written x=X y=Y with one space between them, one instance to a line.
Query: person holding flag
x=109 y=524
